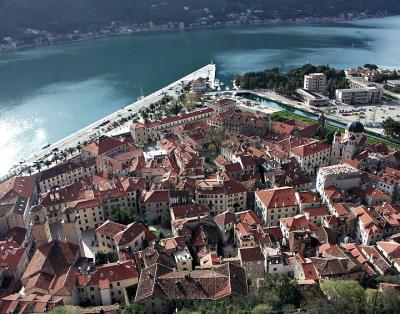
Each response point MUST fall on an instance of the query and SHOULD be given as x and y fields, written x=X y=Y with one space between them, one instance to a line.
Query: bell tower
x=40 y=225
x=71 y=230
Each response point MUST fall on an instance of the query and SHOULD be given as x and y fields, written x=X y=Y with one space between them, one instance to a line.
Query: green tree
x=262 y=309
x=347 y=295
x=102 y=258
x=123 y=215
x=132 y=308
x=166 y=221
x=391 y=127
x=67 y=309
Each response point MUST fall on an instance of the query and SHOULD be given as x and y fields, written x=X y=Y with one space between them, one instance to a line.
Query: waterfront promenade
x=99 y=127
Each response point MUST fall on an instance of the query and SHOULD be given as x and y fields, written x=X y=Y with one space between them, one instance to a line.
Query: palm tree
x=55 y=158
x=29 y=170
x=38 y=165
x=71 y=150
x=47 y=163
x=64 y=154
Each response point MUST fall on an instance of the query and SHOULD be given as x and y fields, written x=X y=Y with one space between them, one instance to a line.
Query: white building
x=343 y=176
x=311 y=156
x=359 y=96
x=315 y=82
x=274 y=204
x=347 y=145
x=312 y=99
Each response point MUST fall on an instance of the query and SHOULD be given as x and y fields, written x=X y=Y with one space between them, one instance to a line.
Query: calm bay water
x=48 y=93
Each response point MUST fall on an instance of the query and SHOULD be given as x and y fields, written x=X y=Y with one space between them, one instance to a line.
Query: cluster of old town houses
x=271 y=199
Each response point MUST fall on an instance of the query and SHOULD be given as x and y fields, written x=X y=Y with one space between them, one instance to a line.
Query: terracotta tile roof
x=233 y=167
x=155 y=196
x=210 y=260
x=333 y=192
x=247 y=160
x=224 y=280
x=190 y=210
x=316 y=211
x=129 y=234
x=283 y=128
x=309 y=197
x=310 y=149
x=342 y=209
x=376 y=259
x=50 y=267
x=26 y=304
x=248 y=217
x=225 y=218
x=10 y=255
x=108 y=273
x=298 y=222
x=278 y=197
x=274 y=232
x=392 y=249
x=110 y=228
x=242 y=229
x=309 y=271
x=251 y=254
x=331 y=267
x=103 y=145
x=375 y=193
x=173 y=244
x=22 y=186
x=215 y=187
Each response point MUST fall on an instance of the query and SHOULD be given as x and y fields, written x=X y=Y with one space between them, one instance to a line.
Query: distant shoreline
x=155 y=31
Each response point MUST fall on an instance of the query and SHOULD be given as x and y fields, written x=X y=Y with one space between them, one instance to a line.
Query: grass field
x=371 y=139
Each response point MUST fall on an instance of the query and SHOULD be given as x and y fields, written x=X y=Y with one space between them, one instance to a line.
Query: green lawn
x=371 y=139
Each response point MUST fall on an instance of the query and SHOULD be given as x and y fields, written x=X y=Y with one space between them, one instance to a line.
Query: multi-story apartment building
x=220 y=195
x=105 y=146
x=17 y=195
x=252 y=260
x=342 y=176
x=241 y=121
x=359 y=96
x=154 y=131
x=106 y=284
x=315 y=82
x=273 y=204
x=311 y=156
x=105 y=236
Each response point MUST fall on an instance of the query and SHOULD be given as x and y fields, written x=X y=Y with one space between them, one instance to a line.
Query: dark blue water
x=47 y=93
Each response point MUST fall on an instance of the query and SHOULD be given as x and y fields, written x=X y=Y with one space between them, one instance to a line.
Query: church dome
x=337 y=133
x=355 y=127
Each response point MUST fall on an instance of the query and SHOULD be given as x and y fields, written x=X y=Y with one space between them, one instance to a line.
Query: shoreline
x=288 y=22
x=94 y=130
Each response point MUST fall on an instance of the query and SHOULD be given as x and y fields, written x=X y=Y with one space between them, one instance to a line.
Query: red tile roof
x=225 y=218
x=222 y=281
x=110 y=228
x=103 y=145
x=105 y=274
x=190 y=210
x=279 y=197
x=310 y=149
x=248 y=217
x=129 y=234
x=17 y=187
x=251 y=254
